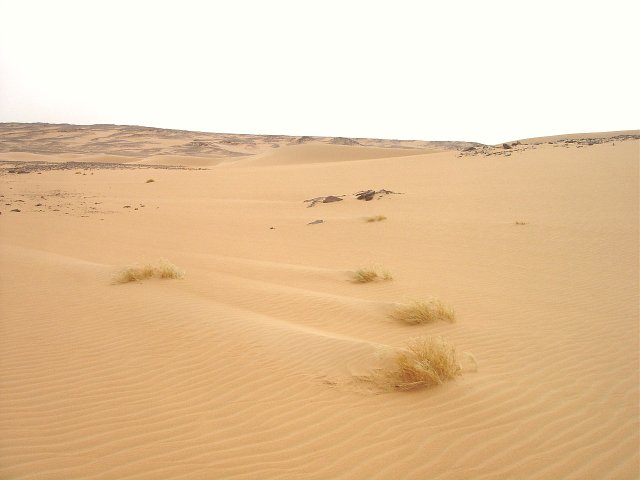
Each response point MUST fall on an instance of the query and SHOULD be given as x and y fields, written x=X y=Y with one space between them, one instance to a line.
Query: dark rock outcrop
x=366 y=195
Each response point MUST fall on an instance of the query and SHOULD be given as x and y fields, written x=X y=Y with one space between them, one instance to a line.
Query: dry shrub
x=520 y=222
x=426 y=362
x=376 y=218
x=135 y=273
x=366 y=275
x=419 y=311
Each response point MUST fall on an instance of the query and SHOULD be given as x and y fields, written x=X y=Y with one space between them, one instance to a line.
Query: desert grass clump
x=419 y=311
x=520 y=222
x=151 y=180
x=376 y=218
x=367 y=275
x=426 y=362
x=134 y=273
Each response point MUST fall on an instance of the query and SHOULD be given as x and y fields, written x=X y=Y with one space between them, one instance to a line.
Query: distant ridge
x=136 y=141
x=144 y=142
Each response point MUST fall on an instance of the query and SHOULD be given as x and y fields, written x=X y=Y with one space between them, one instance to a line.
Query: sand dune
x=314 y=153
x=255 y=364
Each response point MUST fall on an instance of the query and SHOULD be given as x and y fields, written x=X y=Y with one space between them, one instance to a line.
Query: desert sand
x=258 y=362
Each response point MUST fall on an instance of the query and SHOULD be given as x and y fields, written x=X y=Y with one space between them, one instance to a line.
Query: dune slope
x=254 y=365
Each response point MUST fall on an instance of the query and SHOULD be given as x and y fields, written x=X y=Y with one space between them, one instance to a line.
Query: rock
x=15 y=210
x=506 y=146
x=367 y=195
x=315 y=222
x=469 y=149
x=327 y=199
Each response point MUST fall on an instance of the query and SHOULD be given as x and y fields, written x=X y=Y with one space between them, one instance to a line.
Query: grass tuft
x=376 y=218
x=519 y=222
x=364 y=275
x=426 y=362
x=134 y=273
x=386 y=276
x=419 y=312
x=367 y=275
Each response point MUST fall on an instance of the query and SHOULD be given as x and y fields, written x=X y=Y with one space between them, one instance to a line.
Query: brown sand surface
x=253 y=364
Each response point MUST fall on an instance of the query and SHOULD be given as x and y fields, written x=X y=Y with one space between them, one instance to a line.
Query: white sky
x=486 y=71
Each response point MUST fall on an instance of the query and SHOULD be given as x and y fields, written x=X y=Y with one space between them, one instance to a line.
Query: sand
x=254 y=364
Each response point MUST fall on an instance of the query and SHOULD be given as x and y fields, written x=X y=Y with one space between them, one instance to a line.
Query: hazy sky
x=485 y=71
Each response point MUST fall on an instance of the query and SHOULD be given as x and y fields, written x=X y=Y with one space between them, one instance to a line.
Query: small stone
x=315 y=222
x=15 y=210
